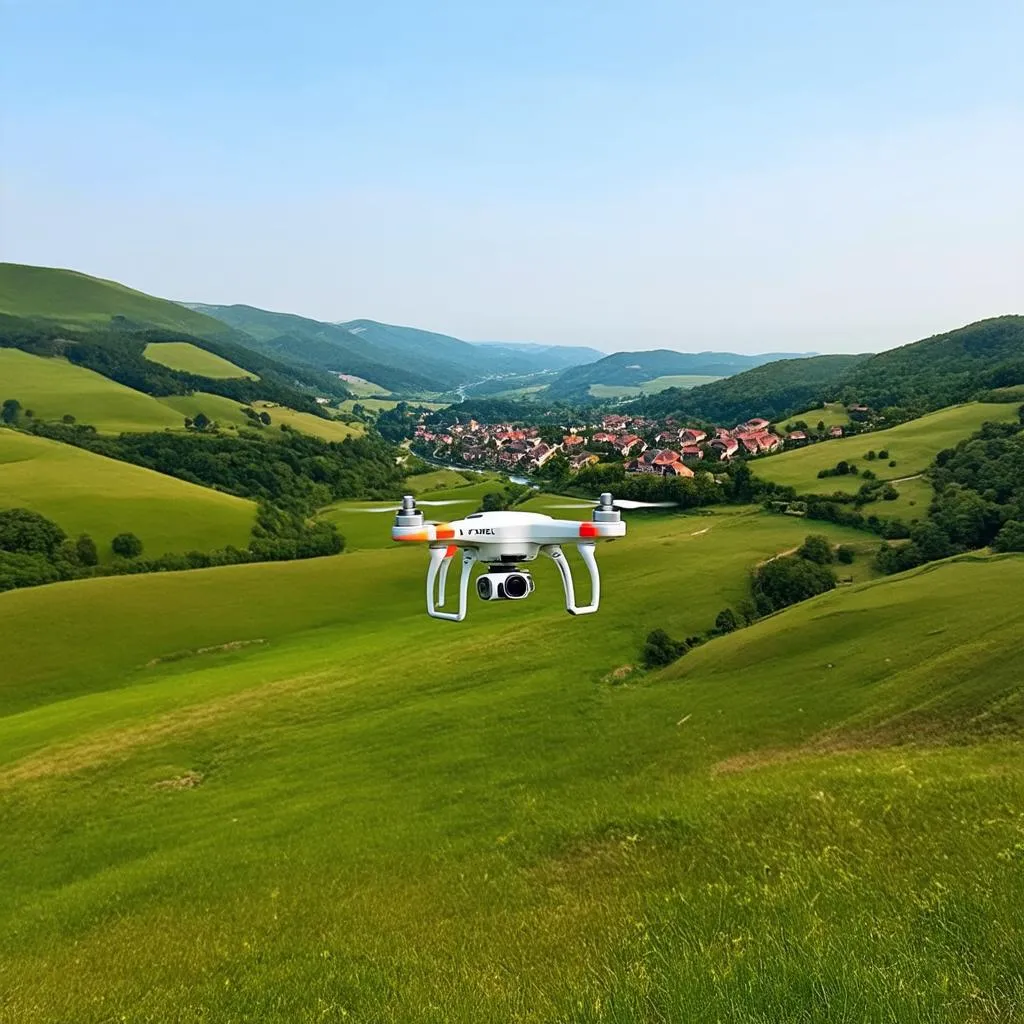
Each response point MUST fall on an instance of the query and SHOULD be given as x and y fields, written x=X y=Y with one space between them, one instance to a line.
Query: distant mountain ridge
x=396 y=357
x=632 y=368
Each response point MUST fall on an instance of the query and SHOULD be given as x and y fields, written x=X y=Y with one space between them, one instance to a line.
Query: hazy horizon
x=760 y=178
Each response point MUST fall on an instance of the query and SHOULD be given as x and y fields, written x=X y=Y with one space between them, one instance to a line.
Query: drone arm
x=439 y=565
x=554 y=552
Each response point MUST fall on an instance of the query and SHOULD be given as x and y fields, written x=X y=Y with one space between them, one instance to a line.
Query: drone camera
x=505 y=586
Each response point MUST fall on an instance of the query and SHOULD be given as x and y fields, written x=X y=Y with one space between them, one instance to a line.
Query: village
x=643 y=445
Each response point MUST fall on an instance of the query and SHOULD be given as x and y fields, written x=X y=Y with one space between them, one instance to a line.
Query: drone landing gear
x=437 y=577
x=554 y=552
x=441 y=560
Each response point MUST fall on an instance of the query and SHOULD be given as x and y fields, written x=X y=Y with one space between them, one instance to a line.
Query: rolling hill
x=403 y=359
x=87 y=493
x=181 y=355
x=53 y=388
x=912 y=446
x=633 y=369
x=290 y=794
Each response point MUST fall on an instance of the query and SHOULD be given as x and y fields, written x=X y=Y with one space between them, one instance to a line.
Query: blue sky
x=751 y=176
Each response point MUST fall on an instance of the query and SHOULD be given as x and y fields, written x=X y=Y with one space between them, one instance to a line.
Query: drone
x=501 y=540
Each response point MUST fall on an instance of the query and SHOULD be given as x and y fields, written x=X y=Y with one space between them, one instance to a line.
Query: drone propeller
x=626 y=503
x=398 y=508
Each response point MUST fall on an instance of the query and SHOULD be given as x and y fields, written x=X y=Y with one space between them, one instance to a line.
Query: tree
x=85 y=549
x=10 y=411
x=67 y=418
x=884 y=453
x=845 y=554
x=265 y=418
x=660 y=649
x=785 y=581
x=871 y=455
x=127 y=545
x=817 y=548
x=725 y=621
x=200 y=421
x=28 y=533
x=1010 y=537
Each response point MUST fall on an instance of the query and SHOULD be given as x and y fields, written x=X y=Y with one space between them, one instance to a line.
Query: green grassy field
x=364 y=388
x=911 y=445
x=225 y=412
x=307 y=423
x=650 y=387
x=77 y=299
x=86 y=493
x=52 y=388
x=379 y=404
x=290 y=796
x=832 y=415
x=183 y=355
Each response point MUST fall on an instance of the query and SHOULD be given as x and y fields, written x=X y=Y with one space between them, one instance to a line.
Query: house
x=727 y=447
x=581 y=459
x=474 y=453
x=666 y=436
x=690 y=435
x=540 y=454
x=757 y=424
x=835 y=431
x=692 y=451
x=796 y=438
x=749 y=442
x=768 y=443
x=603 y=438
x=508 y=459
x=659 y=462
x=626 y=443
x=572 y=440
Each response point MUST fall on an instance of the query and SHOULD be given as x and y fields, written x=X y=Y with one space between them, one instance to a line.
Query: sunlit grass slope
x=650 y=387
x=832 y=414
x=183 y=355
x=77 y=299
x=307 y=423
x=86 y=493
x=52 y=388
x=375 y=816
x=912 y=446
x=225 y=412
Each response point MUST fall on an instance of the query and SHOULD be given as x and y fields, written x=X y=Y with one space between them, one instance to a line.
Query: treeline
x=504 y=410
x=117 y=352
x=735 y=483
x=774 y=585
x=979 y=500
x=34 y=550
x=298 y=472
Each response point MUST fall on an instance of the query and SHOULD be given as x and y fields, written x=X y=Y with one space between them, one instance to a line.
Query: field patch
x=650 y=387
x=87 y=493
x=307 y=423
x=911 y=446
x=225 y=412
x=53 y=388
x=833 y=414
x=189 y=358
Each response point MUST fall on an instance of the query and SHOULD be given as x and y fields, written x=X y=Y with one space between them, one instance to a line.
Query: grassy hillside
x=225 y=412
x=180 y=355
x=52 y=388
x=650 y=387
x=328 y=430
x=832 y=414
x=912 y=445
x=356 y=813
x=75 y=299
x=86 y=493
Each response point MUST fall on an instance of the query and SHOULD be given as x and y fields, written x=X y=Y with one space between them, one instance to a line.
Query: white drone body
x=501 y=540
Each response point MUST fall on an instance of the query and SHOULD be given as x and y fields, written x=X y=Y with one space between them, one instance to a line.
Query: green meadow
x=364 y=388
x=650 y=387
x=832 y=414
x=912 y=446
x=225 y=412
x=383 y=404
x=183 y=355
x=281 y=793
x=307 y=423
x=53 y=388
x=87 y=493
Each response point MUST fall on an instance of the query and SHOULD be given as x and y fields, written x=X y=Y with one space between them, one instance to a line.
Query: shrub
x=892 y=462
x=871 y=455
x=127 y=545
x=884 y=453
x=660 y=649
x=845 y=554
x=726 y=621
x=85 y=550
x=28 y=533
x=817 y=548
x=785 y=581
